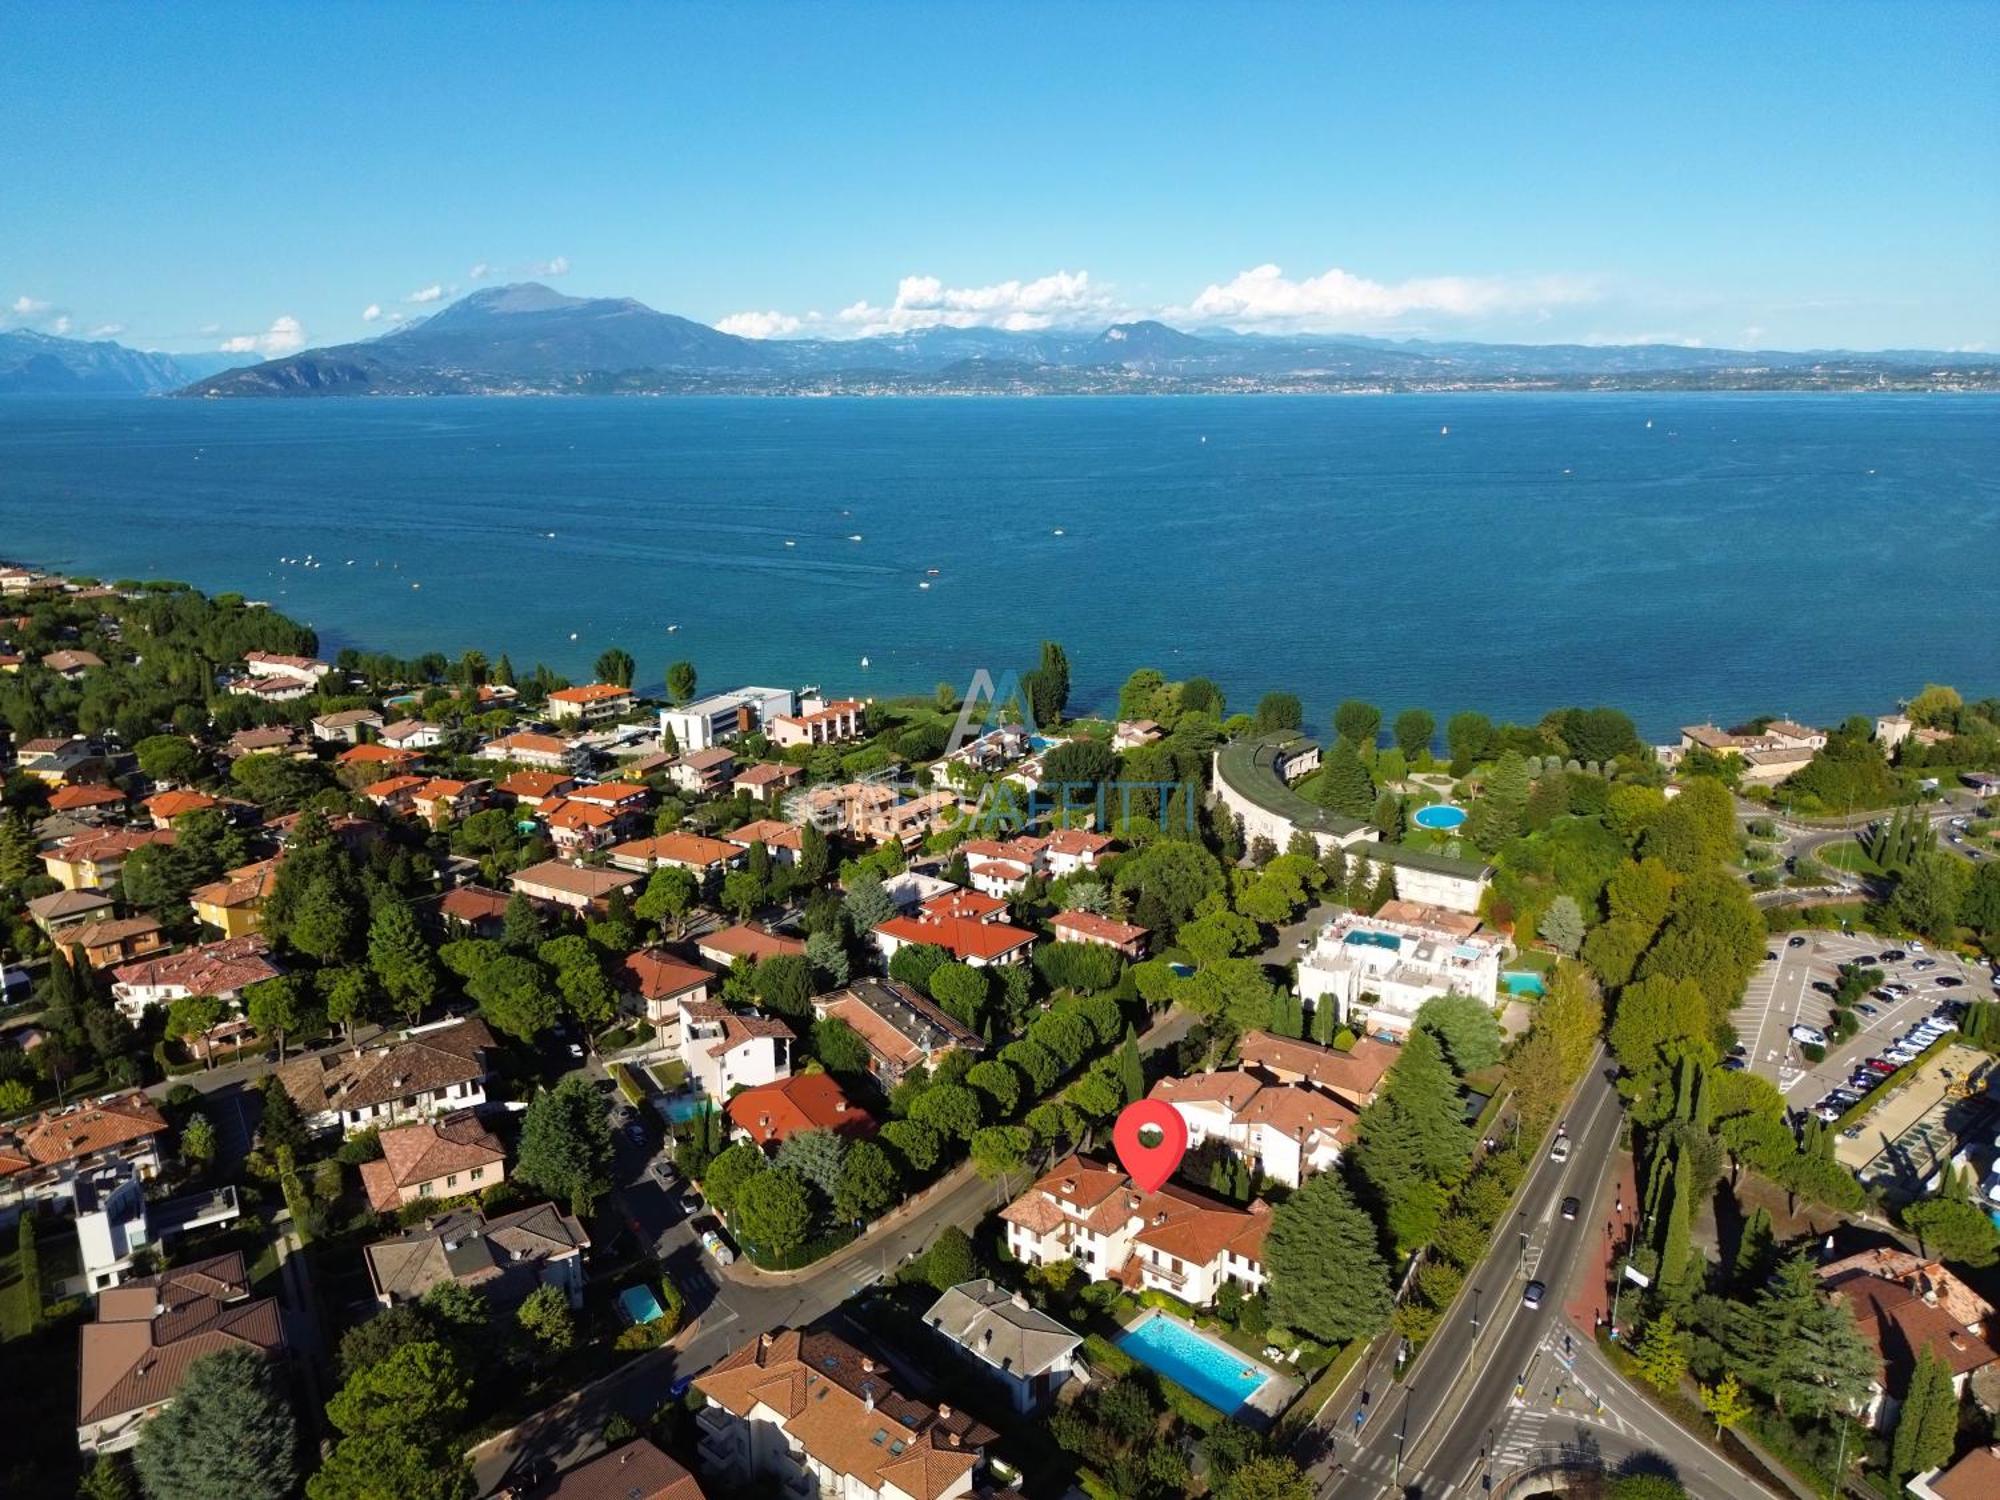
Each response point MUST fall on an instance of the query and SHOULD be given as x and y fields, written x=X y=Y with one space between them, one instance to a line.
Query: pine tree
x=1342 y=784
x=1385 y=888
x=1676 y=1247
x=401 y=958
x=228 y=1431
x=1927 y=1426
x=1754 y=1250
x=1661 y=1356
x=1131 y=1069
x=1328 y=1279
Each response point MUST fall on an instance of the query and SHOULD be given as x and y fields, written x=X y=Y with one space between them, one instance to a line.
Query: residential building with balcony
x=722 y=717
x=1405 y=954
x=726 y=1049
x=43 y=1156
x=900 y=1028
x=436 y=1159
x=429 y=1070
x=1028 y=1353
x=506 y=1256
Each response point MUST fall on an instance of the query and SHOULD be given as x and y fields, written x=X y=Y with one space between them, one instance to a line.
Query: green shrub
x=1106 y=1358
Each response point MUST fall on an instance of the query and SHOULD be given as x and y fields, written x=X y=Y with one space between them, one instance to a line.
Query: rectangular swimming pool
x=1213 y=1371
x=640 y=1305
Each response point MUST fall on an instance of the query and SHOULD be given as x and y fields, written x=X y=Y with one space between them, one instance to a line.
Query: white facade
x=718 y=719
x=1401 y=963
x=726 y=1049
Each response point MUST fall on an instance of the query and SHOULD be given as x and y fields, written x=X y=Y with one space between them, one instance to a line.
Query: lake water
x=1805 y=555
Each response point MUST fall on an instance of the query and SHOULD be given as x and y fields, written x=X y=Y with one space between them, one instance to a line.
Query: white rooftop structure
x=721 y=717
x=1404 y=955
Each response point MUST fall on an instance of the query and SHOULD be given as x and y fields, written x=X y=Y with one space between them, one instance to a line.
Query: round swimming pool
x=1439 y=817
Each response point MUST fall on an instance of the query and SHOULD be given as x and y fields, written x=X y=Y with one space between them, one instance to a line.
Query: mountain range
x=527 y=339
x=40 y=364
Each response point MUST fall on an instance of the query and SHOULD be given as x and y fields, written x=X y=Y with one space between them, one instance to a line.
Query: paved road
x=1455 y=1418
x=737 y=1304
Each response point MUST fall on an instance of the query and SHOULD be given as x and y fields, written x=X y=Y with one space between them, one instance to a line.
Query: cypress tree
x=1677 y=1245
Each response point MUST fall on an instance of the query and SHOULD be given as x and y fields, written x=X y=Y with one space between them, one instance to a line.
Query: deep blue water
x=1807 y=555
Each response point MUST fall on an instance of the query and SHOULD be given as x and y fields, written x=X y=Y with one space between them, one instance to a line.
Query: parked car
x=1893 y=955
x=1810 y=1035
x=1861 y=961
x=1948 y=981
x=1822 y=987
x=1877 y=1066
x=1732 y=1065
x=662 y=1171
x=1795 y=941
x=1924 y=963
x=1560 y=1150
x=1864 y=1008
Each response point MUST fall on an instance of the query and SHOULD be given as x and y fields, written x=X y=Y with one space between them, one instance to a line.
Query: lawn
x=1849 y=856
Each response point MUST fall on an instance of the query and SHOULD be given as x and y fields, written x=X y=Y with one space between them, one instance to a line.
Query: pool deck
x=1266 y=1404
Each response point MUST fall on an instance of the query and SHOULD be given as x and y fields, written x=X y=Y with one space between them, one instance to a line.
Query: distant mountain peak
x=514 y=297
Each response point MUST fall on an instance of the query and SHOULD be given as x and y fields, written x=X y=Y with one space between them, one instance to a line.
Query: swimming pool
x=640 y=1305
x=1439 y=817
x=1524 y=982
x=678 y=1109
x=1215 y=1372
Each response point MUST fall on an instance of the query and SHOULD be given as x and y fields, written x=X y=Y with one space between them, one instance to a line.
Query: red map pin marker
x=1151 y=1160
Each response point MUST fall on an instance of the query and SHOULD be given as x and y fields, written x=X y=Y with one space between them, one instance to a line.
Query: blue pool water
x=1521 y=983
x=1439 y=816
x=1213 y=1371
x=681 y=1108
x=640 y=1305
x=1387 y=940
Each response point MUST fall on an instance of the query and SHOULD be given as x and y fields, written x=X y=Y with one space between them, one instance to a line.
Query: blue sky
x=1790 y=175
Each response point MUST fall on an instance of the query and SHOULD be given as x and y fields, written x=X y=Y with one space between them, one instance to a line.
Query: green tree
x=168 y=758
x=1930 y=892
x=681 y=681
x=1415 y=729
x=1327 y=1276
x=728 y=1173
x=1342 y=784
x=401 y=959
x=814 y=1157
x=198 y=1141
x=616 y=666
x=392 y=1466
x=420 y=1387
x=1662 y=1355
x=867 y=904
x=1465 y=1027
x=281 y=1127
x=772 y=1212
x=1268 y=1476
x=1676 y=1247
x=521 y=927
x=951 y=1109
x=949 y=1261
x=868 y=1183
x=1726 y=1402
x=1955 y=1230
x=1359 y=723
x=918 y=1146
x=545 y=1317
x=1497 y=815
x=109 y=1478
x=1562 y=924
x=670 y=894
x=1927 y=1428
x=282 y=1008
x=1415 y=1133
x=1000 y=1150
x=1131 y=1069
x=1277 y=712
x=28 y=1270
x=566 y=1145
x=1468 y=736
x=999 y=1085
x=228 y=1431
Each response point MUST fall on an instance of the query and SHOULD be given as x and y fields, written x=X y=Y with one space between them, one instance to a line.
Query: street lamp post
x=1402 y=1435
x=1475 y=1310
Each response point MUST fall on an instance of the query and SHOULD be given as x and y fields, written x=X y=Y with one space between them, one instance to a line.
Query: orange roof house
x=806 y=1101
x=166 y=806
x=435 y=1159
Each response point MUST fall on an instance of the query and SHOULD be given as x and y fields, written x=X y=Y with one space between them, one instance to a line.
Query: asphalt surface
x=727 y=1306
x=1780 y=995
x=1479 y=1403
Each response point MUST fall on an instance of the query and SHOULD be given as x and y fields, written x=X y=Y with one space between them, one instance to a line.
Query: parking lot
x=1781 y=995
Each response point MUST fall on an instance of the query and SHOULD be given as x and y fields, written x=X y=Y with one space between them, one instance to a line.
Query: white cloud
x=1264 y=297
x=371 y=312
x=478 y=271
x=107 y=330
x=1058 y=300
x=431 y=293
x=210 y=330
x=284 y=336
x=61 y=325
x=557 y=267
x=760 y=325
x=27 y=307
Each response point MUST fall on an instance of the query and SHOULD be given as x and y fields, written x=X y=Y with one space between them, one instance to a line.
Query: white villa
x=1405 y=954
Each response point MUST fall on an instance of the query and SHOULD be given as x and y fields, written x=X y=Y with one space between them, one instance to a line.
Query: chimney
x=868 y=1397
x=763 y=1341
x=944 y=1412
x=954 y=1438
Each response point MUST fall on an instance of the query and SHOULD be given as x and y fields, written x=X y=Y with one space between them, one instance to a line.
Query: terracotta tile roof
x=72 y=661
x=1898 y=1322
x=574 y=880
x=1356 y=1073
x=149 y=1331
x=636 y=1471
x=108 y=930
x=403 y=729
x=1926 y=1277
x=1458 y=924
x=975 y=905
x=1974 y=1477
x=347 y=718
x=1078 y=841
x=595 y=692
x=805 y=1101
x=271 y=737
x=376 y=755
x=745 y=941
x=533 y=786
x=1190 y=1227
x=765 y=773
x=503 y=1255
x=67 y=906
x=738 y=1026
x=86 y=794
x=622 y=794
x=297 y=663
x=390 y=788
x=1088 y=924
x=959 y=936
x=677 y=848
x=78 y=1131
x=443 y=787
x=473 y=903
x=897 y=1024
x=769 y=832
x=565 y=813
x=821 y=1387
x=413 y=1154
x=245 y=885
x=654 y=975
x=712 y=759
x=423 y=1063
x=222 y=968
x=166 y=806
x=114 y=843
